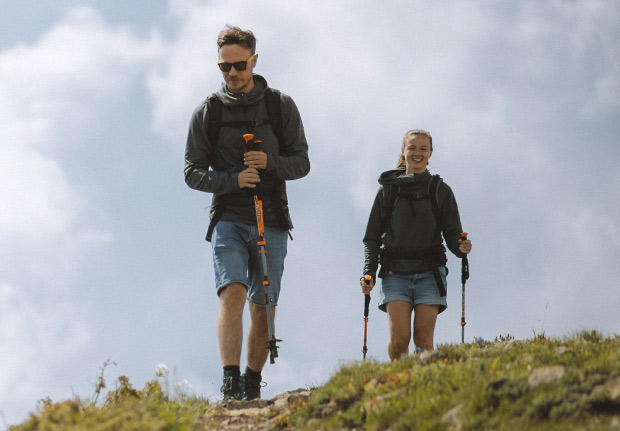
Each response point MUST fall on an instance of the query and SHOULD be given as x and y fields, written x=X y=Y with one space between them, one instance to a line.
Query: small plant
x=282 y=422
x=100 y=385
x=504 y=338
x=539 y=337
x=591 y=336
x=124 y=408
x=312 y=385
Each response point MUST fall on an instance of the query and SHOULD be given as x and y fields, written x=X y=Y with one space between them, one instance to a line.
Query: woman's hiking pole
x=262 y=251
x=464 y=277
x=367 y=279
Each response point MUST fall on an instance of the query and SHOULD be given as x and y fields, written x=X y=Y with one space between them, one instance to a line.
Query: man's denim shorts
x=413 y=288
x=236 y=258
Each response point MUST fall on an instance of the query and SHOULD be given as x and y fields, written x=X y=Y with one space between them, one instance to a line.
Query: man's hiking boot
x=232 y=389
x=252 y=383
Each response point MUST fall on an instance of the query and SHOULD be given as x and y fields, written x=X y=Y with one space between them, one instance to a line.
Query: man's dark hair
x=235 y=36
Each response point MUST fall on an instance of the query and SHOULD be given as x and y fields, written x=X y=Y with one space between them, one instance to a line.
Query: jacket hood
x=257 y=93
x=397 y=177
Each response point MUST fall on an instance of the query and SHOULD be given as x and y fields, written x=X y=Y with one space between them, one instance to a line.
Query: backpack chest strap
x=244 y=123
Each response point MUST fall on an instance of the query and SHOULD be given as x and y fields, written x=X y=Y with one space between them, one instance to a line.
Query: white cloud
x=47 y=87
x=186 y=78
x=79 y=57
x=34 y=192
x=34 y=341
x=605 y=97
x=63 y=82
x=590 y=229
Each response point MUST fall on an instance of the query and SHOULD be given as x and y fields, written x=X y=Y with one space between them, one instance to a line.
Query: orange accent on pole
x=258 y=206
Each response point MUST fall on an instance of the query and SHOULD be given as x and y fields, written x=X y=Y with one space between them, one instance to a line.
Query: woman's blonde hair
x=401 y=159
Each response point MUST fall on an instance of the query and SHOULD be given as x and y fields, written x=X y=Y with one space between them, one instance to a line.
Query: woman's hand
x=464 y=246
x=367 y=285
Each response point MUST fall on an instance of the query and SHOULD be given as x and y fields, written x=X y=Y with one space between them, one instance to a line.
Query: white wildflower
x=161 y=370
x=183 y=384
x=183 y=388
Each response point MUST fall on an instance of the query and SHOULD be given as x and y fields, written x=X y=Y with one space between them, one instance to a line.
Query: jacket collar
x=398 y=177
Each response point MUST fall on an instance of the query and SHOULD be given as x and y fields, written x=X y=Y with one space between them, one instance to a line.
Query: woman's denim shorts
x=413 y=288
x=236 y=258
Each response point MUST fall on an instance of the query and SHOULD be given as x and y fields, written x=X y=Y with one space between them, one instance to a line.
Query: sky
x=102 y=250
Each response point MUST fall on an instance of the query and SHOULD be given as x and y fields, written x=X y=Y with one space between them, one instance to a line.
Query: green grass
x=485 y=386
x=479 y=386
x=125 y=409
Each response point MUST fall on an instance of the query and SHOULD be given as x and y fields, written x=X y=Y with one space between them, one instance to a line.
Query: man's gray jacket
x=214 y=167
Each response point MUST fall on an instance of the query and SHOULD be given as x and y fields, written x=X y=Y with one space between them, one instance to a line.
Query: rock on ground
x=256 y=415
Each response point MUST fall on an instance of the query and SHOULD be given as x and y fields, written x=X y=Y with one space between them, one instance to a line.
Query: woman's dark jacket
x=412 y=237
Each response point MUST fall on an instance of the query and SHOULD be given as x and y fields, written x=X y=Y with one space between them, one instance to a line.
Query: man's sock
x=232 y=370
x=253 y=374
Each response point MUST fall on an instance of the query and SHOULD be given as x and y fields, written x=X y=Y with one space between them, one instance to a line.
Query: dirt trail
x=256 y=415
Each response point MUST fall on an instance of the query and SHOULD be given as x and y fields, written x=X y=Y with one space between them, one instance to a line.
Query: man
x=218 y=162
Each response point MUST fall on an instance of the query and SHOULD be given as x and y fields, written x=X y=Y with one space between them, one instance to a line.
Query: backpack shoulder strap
x=433 y=194
x=214 y=109
x=389 y=200
x=274 y=113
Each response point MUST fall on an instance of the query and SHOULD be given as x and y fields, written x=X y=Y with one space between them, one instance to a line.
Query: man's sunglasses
x=239 y=65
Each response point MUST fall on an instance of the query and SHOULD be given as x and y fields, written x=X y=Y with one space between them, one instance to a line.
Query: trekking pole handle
x=250 y=137
x=464 y=262
x=463 y=236
x=367 y=279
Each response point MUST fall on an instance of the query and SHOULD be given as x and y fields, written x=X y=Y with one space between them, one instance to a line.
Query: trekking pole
x=262 y=251
x=367 y=279
x=464 y=277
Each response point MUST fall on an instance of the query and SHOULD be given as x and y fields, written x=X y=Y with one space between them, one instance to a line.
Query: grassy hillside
x=507 y=385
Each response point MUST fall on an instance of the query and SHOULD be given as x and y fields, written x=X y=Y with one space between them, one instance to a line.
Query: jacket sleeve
x=372 y=238
x=450 y=221
x=293 y=163
x=199 y=174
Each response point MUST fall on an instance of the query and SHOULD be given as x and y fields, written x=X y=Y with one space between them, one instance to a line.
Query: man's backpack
x=274 y=113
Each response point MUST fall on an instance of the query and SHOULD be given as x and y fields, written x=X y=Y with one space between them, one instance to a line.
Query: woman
x=411 y=211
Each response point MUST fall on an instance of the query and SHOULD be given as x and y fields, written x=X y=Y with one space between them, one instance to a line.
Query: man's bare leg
x=230 y=323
